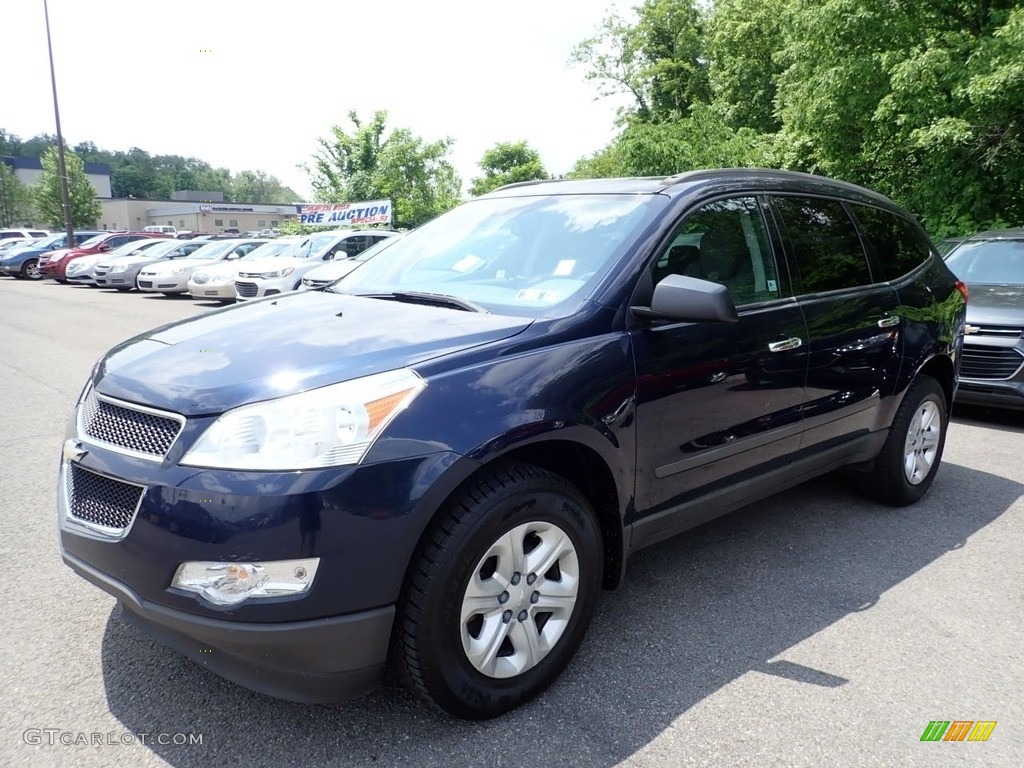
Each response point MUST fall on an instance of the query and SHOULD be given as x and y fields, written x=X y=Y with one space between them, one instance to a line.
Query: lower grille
x=246 y=290
x=99 y=500
x=989 y=362
x=145 y=283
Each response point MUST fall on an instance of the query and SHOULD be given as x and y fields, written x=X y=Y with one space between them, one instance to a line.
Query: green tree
x=85 y=208
x=658 y=60
x=507 y=163
x=259 y=187
x=369 y=163
x=15 y=199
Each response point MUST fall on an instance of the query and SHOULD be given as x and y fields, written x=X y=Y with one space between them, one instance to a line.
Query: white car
x=282 y=273
x=337 y=268
x=217 y=282
x=122 y=273
x=168 y=277
x=83 y=270
x=22 y=234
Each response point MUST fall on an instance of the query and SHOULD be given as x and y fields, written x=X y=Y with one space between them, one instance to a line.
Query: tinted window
x=898 y=245
x=825 y=244
x=724 y=242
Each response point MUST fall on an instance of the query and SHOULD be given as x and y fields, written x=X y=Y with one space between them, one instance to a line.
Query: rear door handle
x=785 y=346
x=889 y=321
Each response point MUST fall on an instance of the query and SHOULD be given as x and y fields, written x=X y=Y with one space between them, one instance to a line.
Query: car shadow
x=695 y=613
x=1001 y=419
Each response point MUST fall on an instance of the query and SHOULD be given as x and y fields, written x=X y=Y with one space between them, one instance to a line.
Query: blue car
x=440 y=460
x=23 y=262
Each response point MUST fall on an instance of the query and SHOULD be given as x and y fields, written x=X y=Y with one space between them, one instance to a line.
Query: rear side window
x=899 y=246
x=824 y=243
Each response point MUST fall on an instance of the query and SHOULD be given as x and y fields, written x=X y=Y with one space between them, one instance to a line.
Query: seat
x=680 y=260
x=725 y=258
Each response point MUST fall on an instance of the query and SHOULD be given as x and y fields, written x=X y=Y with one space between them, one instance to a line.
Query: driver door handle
x=889 y=321
x=785 y=346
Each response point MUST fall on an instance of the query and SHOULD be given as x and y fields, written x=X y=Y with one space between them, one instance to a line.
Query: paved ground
x=813 y=630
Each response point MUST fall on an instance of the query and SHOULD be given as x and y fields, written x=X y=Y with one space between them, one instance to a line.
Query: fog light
x=231 y=583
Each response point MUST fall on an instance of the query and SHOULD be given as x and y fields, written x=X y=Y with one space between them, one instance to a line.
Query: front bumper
x=163 y=283
x=992 y=372
x=318 y=661
x=212 y=290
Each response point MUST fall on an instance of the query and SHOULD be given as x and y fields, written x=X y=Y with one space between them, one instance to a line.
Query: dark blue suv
x=440 y=460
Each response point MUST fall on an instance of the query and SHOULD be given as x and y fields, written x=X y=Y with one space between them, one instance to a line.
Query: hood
x=334 y=270
x=223 y=267
x=167 y=265
x=286 y=344
x=996 y=305
x=60 y=253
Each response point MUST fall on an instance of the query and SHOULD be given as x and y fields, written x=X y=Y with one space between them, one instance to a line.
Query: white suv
x=284 y=272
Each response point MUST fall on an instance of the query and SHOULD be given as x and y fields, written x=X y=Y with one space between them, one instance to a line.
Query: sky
x=251 y=85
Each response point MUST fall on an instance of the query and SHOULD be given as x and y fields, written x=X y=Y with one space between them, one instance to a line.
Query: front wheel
x=501 y=594
x=30 y=270
x=907 y=463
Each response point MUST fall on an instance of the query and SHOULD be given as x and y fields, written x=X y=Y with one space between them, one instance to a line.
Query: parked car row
x=150 y=261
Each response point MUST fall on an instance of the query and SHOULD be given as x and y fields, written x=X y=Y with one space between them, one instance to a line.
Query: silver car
x=122 y=273
x=172 y=277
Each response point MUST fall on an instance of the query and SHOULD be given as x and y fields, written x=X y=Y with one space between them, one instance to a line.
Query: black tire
x=887 y=481
x=30 y=270
x=123 y=289
x=429 y=630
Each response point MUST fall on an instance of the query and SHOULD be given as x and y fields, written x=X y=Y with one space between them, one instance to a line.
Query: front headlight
x=327 y=427
x=117 y=268
x=278 y=273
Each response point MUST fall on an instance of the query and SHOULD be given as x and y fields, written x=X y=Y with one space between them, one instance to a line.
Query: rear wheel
x=501 y=594
x=906 y=466
x=30 y=270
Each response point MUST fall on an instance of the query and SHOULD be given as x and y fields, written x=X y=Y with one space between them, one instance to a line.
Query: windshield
x=517 y=255
x=989 y=261
x=314 y=246
x=137 y=245
x=215 y=250
x=15 y=243
x=270 y=250
x=94 y=240
x=49 y=242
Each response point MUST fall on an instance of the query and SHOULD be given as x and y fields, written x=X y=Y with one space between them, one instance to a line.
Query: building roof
x=35 y=164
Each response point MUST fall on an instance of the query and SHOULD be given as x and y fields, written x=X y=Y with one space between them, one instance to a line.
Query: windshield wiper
x=423 y=297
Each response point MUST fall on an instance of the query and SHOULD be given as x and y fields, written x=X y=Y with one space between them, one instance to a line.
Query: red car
x=55 y=263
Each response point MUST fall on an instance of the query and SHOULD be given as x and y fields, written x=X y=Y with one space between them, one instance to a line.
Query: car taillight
x=962 y=287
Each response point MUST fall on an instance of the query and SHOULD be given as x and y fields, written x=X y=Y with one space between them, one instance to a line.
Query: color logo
x=958 y=730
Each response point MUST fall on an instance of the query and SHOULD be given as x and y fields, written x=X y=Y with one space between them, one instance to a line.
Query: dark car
x=992 y=369
x=441 y=459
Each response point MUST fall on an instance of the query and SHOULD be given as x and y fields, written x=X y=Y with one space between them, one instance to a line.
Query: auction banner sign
x=350 y=214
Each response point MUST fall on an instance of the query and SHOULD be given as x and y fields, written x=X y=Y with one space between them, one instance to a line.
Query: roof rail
x=530 y=183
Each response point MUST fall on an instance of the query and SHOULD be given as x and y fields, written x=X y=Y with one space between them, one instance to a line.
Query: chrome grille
x=989 y=362
x=135 y=430
x=1002 y=331
x=43 y=261
x=309 y=283
x=99 y=500
x=102 y=269
x=246 y=290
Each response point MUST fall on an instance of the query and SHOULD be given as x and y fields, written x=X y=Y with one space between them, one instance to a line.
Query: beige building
x=192 y=216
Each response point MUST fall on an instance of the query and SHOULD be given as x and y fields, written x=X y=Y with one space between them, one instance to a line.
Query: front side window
x=725 y=242
x=824 y=243
x=899 y=247
x=514 y=255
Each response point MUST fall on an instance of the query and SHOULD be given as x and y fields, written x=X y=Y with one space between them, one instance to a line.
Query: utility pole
x=62 y=168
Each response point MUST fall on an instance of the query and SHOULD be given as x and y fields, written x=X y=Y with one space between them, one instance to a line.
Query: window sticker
x=773 y=286
x=565 y=267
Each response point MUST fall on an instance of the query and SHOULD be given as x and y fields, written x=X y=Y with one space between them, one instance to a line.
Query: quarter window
x=724 y=242
x=899 y=246
x=825 y=244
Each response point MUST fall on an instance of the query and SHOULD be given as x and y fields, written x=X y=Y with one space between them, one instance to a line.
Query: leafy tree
x=258 y=187
x=85 y=208
x=15 y=199
x=366 y=164
x=507 y=163
x=658 y=60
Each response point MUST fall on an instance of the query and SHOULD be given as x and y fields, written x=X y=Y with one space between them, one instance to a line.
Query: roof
x=999 y=234
x=35 y=164
x=683 y=182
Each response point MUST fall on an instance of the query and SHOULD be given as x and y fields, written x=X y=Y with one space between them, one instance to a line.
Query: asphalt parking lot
x=814 y=629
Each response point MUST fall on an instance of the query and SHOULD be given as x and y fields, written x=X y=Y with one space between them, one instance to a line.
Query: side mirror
x=104 y=247
x=232 y=256
x=689 y=299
